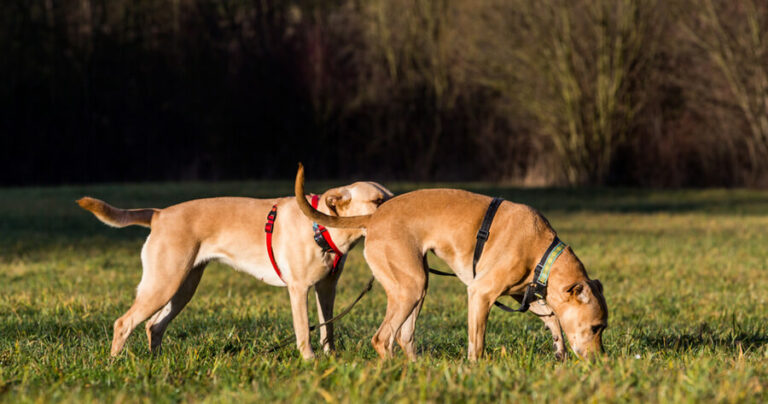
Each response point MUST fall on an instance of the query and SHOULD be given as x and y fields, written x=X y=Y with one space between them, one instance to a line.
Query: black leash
x=497 y=304
x=285 y=341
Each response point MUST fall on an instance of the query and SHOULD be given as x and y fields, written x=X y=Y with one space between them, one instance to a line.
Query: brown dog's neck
x=565 y=273
x=347 y=238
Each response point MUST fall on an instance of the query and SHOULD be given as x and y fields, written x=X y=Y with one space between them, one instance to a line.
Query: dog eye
x=597 y=328
x=378 y=201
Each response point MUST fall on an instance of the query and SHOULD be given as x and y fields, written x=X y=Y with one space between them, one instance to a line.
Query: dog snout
x=595 y=351
x=590 y=352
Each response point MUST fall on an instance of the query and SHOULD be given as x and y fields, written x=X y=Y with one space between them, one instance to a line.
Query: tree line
x=554 y=92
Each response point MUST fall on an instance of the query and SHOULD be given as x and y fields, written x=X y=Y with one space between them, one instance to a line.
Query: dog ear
x=578 y=292
x=598 y=285
x=336 y=199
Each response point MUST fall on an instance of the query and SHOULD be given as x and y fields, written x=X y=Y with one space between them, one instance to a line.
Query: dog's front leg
x=325 y=293
x=546 y=315
x=298 y=295
x=480 y=302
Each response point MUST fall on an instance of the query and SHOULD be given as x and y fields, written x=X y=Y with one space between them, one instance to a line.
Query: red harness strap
x=268 y=228
x=322 y=238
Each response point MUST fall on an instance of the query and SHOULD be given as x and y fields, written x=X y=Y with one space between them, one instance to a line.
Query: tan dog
x=446 y=221
x=186 y=236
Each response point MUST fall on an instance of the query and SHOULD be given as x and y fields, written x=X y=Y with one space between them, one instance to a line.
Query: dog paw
x=560 y=355
x=308 y=356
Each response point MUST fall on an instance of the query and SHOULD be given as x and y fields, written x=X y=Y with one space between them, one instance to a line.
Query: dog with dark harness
x=495 y=247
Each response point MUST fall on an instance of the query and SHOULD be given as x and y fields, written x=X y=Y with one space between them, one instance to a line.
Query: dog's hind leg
x=405 y=283
x=165 y=268
x=325 y=294
x=405 y=337
x=158 y=323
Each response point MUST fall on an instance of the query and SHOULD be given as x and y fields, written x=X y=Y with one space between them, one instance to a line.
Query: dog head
x=358 y=199
x=580 y=307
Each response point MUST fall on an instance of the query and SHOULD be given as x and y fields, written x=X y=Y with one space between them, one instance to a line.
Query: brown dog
x=186 y=236
x=446 y=221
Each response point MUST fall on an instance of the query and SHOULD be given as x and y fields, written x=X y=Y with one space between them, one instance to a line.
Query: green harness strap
x=537 y=290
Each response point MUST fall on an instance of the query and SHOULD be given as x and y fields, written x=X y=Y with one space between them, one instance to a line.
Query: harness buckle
x=537 y=272
x=318 y=229
x=271 y=220
x=320 y=238
x=483 y=234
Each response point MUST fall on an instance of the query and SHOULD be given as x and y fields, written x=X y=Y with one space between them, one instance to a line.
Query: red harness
x=322 y=238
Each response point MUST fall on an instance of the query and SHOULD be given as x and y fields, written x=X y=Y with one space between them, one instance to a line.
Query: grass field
x=684 y=275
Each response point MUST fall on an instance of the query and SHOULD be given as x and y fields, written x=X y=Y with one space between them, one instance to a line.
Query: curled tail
x=347 y=222
x=115 y=217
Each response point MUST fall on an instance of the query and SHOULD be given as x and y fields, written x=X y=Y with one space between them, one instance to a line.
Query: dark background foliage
x=644 y=93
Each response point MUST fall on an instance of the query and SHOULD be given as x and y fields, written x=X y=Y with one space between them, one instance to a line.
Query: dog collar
x=537 y=290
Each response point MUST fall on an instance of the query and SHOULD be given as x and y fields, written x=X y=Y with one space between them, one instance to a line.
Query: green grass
x=684 y=275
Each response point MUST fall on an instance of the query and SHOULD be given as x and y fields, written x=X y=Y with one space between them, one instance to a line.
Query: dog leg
x=405 y=283
x=164 y=271
x=550 y=320
x=480 y=301
x=405 y=337
x=399 y=308
x=158 y=323
x=298 y=294
x=325 y=294
x=149 y=299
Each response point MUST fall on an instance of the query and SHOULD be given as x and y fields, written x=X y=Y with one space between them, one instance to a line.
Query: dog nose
x=596 y=352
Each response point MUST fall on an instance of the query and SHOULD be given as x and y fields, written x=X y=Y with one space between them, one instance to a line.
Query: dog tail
x=347 y=222
x=116 y=217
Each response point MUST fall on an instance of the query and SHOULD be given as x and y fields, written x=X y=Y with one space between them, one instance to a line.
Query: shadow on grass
x=705 y=337
x=257 y=334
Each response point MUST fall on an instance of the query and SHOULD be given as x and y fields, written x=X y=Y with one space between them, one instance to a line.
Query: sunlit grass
x=684 y=274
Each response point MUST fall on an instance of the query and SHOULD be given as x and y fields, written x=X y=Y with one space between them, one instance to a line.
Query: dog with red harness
x=288 y=251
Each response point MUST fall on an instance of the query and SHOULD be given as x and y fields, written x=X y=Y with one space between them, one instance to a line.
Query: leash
x=537 y=290
x=285 y=341
x=496 y=303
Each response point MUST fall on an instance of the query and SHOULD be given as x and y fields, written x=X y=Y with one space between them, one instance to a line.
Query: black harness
x=484 y=232
x=536 y=290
